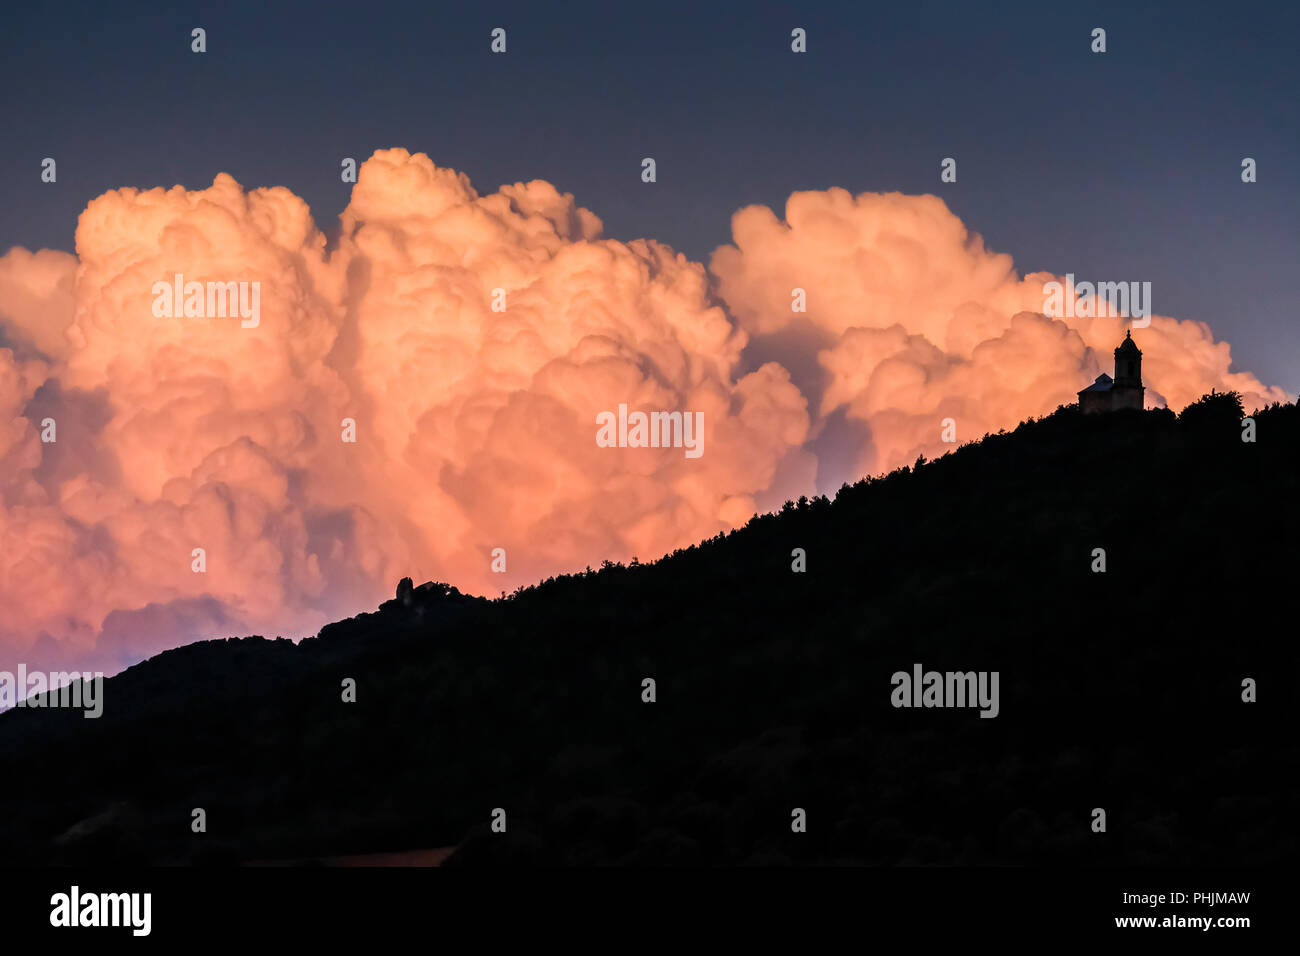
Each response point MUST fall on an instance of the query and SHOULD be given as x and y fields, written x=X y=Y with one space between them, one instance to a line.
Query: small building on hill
x=1125 y=390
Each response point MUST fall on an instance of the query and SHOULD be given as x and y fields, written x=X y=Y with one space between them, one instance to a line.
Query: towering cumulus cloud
x=423 y=399
x=485 y=335
x=423 y=396
x=910 y=320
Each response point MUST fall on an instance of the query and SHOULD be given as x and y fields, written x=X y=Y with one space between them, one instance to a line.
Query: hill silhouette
x=1120 y=690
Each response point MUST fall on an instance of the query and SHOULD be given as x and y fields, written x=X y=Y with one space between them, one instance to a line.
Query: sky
x=523 y=171
x=1122 y=165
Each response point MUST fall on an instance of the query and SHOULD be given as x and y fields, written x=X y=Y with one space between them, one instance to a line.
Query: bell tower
x=1128 y=390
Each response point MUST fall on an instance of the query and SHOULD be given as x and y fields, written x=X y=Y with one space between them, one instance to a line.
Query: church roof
x=1102 y=384
x=1128 y=346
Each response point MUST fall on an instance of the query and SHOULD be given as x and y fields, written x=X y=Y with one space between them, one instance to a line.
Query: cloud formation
x=911 y=320
x=469 y=343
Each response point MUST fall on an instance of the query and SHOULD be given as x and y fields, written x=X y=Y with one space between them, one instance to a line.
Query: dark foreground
x=1119 y=690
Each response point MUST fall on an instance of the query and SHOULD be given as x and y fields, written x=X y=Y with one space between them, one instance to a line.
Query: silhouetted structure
x=1125 y=390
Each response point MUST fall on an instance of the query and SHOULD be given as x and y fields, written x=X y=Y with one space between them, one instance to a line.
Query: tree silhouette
x=1212 y=410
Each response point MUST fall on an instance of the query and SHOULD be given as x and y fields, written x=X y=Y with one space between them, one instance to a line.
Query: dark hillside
x=1120 y=690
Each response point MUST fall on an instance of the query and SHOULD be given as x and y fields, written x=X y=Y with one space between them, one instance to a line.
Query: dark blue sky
x=1124 y=166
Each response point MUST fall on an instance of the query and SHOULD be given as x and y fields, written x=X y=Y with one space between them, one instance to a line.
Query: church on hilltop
x=1124 y=390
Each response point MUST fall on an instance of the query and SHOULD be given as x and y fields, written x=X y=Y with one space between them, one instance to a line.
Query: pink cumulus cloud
x=468 y=343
